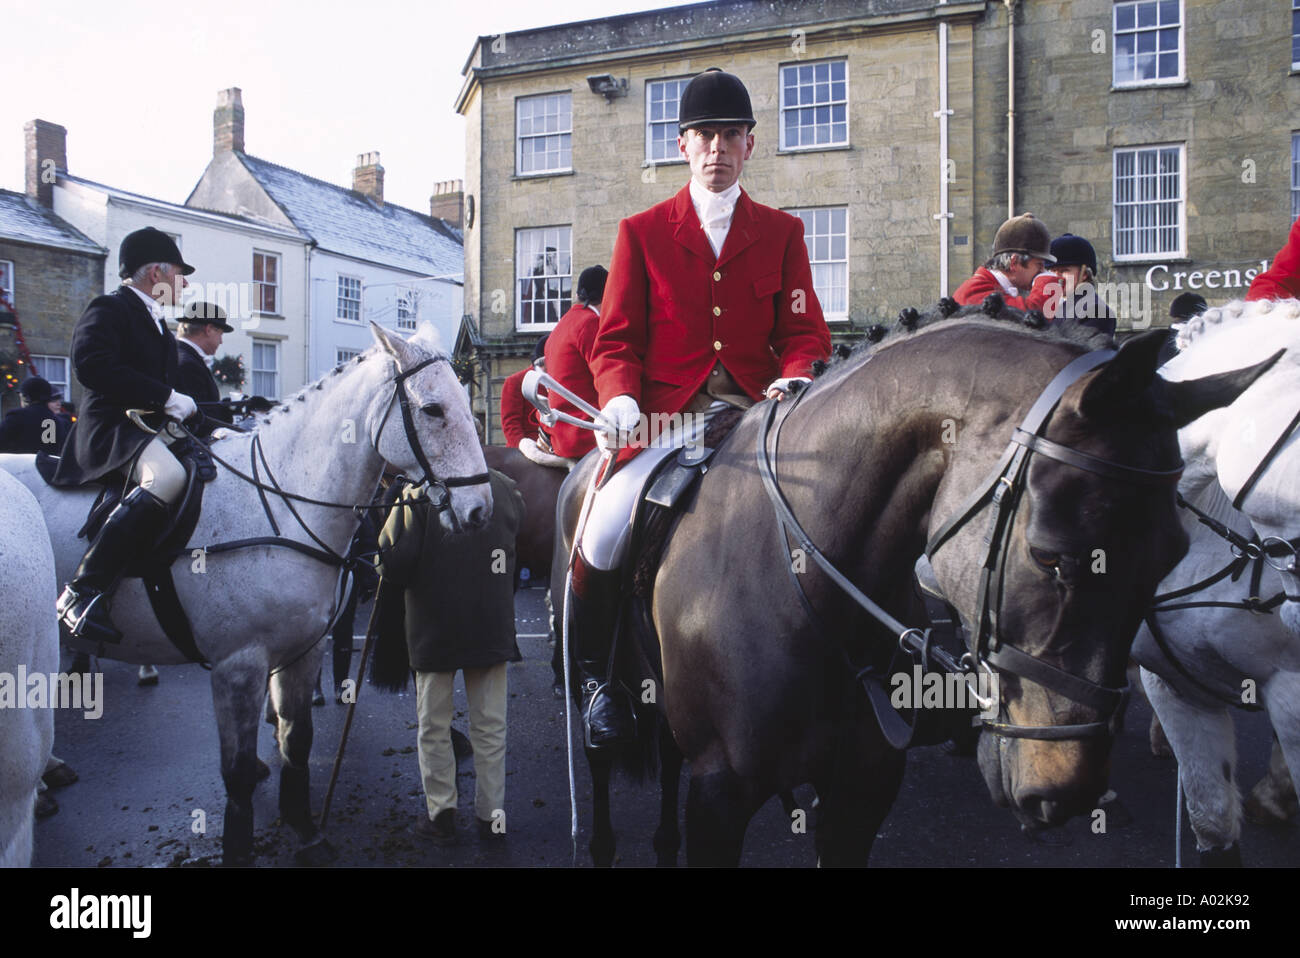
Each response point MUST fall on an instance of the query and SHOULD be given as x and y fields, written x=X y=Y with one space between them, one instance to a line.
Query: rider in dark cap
x=1076 y=268
x=124 y=356
x=39 y=425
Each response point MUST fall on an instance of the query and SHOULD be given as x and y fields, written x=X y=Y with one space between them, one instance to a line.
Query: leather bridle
x=1001 y=490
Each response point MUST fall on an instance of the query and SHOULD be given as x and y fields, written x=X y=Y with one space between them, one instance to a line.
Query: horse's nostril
x=477 y=517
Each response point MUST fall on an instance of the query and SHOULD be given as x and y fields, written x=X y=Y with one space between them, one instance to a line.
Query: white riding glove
x=783 y=385
x=619 y=417
x=180 y=406
x=222 y=434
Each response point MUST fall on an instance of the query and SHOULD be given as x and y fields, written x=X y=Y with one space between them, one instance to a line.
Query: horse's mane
x=993 y=312
x=1236 y=311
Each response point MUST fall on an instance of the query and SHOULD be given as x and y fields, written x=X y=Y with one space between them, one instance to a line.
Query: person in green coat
x=460 y=615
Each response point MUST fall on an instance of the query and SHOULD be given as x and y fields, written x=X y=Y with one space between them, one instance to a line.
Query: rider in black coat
x=199 y=336
x=125 y=358
x=35 y=427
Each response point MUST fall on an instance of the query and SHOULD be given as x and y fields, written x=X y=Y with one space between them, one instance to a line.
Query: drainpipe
x=309 y=312
x=1011 y=107
x=944 y=216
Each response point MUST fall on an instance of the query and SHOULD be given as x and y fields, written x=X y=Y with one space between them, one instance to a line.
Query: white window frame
x=254 y=370
x=1295 y=177
x=563 y=133
x=1180 y=207
x=529 y=244
x=7 y=279
x=408 y=303
x=41 y=367
x=1295 y=35
x=344 y=354
x=259 y=284
x=811 y=237
x=340 y=299
x=831 y=102
x=1137 y=31
x=675 y=155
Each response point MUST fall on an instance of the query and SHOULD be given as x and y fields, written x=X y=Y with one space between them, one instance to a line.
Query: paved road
x=150 y=763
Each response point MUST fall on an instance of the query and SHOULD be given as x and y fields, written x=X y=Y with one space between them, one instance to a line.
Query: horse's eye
x=1050 y=561
x=433 y=409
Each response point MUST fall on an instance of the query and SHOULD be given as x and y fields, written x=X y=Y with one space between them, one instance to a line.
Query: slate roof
x=343 y=221
x=24 y=219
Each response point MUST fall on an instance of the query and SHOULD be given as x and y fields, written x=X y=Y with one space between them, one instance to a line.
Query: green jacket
x=458 y=589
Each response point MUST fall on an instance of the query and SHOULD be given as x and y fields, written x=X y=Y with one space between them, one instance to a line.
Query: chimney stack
x=228 y=122
x=368 y=177
x=447 y=202
x=47 y=151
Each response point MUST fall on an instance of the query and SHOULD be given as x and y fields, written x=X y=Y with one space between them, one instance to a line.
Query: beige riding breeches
x=158 y=471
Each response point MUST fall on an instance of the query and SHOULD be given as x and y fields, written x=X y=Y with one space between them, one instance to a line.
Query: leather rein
x=322 y=551
x=1001 y=490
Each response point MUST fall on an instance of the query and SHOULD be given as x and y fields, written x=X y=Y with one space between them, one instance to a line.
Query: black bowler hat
x=714 y=97
x=37 y=390
x=1071 y=250
x=145 y=246
x=198 y=313
x=591 y=284
x=1187 y=305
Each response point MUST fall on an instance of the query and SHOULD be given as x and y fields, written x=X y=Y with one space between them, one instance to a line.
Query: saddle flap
x=677 y=476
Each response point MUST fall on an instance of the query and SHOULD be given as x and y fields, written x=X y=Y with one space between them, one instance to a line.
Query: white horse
x=29 y=637
x=261 y=610
x=1220 y=657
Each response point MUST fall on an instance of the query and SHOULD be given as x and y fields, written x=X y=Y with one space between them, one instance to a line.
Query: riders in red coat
x=1282 y=279
x=568 y=361
x=519 y=417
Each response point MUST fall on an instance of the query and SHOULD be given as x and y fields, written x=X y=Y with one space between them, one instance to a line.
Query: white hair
x=138 y=276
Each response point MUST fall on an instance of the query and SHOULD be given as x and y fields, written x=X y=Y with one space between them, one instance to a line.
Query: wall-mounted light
x=607 y=86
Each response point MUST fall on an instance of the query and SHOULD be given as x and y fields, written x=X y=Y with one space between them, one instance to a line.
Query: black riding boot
x=129 y=530
x=607 y=711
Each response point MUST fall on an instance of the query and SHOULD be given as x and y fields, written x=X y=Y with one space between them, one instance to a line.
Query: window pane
x=1146 y=15
x=1124 y=16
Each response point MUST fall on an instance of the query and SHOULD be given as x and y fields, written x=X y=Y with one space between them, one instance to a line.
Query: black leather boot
x=129 y=530
x=607 y=712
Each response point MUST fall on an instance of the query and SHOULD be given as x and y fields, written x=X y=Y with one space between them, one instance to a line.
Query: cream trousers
x=486 y=691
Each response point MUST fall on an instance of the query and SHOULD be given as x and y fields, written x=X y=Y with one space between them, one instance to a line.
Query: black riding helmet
x=714 y=97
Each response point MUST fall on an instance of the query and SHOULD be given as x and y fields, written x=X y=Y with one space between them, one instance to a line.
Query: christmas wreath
x=229 y=370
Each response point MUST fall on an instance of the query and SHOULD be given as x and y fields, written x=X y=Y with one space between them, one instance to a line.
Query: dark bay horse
x=874 y=458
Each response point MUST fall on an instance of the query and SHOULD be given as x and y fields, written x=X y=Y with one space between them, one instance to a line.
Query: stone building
x=49 y=271
x=885 y=126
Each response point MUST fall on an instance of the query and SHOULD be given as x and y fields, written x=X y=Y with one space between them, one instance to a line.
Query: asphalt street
x=150 y=792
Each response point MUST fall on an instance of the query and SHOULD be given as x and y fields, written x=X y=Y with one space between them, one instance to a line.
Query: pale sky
x=135 y=83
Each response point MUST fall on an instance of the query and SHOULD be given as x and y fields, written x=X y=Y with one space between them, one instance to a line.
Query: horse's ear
x=1124 y=378
x=393 y=345
x=1191 y=399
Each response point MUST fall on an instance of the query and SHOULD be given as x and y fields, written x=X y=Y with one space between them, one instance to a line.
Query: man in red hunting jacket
x=1021 y=251
x=568 y=361
x=1282 y=278
x=709 y=304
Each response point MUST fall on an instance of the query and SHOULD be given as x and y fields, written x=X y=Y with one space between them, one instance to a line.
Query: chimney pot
x=447 y=202
x=368 y=177
x=46 y=152
x=228 y=122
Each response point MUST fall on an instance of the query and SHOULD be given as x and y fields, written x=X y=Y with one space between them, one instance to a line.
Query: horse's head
x=423 y=427
x=1251 y=449
x=1091 y=528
